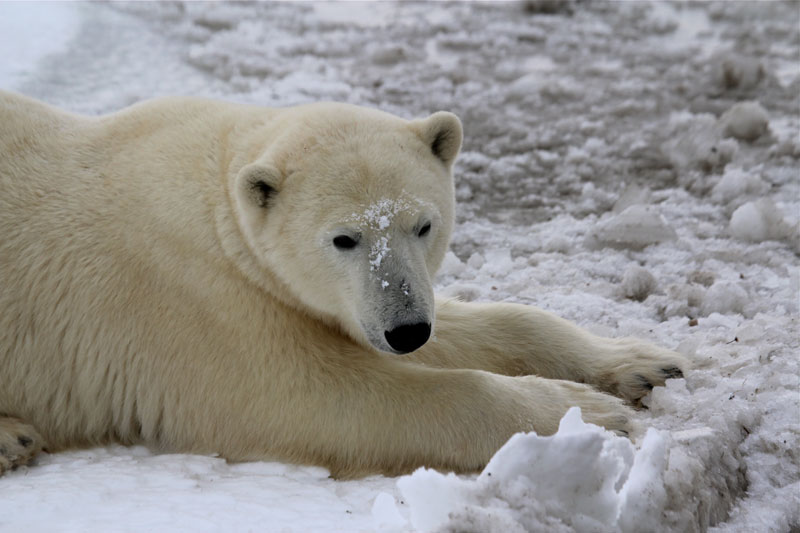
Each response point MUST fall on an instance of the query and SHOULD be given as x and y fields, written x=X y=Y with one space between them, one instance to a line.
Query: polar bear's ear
x=442 y=132
x=257 y=184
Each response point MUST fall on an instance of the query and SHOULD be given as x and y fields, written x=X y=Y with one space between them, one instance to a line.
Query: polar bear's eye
x=343 y=242
x=424 y=230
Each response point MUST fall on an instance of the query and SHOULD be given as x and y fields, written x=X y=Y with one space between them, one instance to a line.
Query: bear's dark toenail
x=25 y=441
x=672 y=372
x=3 y=451
x=645 y=382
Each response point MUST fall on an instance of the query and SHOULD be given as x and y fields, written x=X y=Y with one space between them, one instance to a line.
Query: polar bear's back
x=33 y=136
x=107 y=234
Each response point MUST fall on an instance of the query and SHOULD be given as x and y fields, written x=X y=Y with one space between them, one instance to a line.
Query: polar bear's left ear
x=442 y=132
x=257 y=185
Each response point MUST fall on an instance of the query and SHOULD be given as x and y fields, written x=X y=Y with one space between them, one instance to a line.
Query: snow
x=588 y=466
x=378 y=218
x=736 y=183
x=630 y=166
x=583 y=478
x=724 y=297
x=385 y=513
x=638 y=283
x=378 y=252
x=759 y=220
x=56 y=21
x=746 y=121
x=636 y=227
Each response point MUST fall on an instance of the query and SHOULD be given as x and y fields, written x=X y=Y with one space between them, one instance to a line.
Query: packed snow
x=630 y=166
x=604 y=484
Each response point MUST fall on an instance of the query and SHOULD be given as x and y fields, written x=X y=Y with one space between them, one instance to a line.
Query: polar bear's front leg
x=19 y=443
x=517 y=339
x=392 y=417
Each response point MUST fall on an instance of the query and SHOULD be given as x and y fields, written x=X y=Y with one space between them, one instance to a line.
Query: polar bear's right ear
x=442 y=133
x=257 y=185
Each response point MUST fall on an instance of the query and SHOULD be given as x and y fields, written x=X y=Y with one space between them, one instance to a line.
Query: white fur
x=151 y=292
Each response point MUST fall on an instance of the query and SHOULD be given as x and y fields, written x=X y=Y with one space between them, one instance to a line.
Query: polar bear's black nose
x=408 y=338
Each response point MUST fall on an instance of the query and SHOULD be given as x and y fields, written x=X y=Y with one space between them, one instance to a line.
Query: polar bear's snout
x=409 y=337
x=402 y=321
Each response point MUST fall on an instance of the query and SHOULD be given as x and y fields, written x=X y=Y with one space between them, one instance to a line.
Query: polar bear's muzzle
x=394 y=297
x=409 y=337
x=401 y=319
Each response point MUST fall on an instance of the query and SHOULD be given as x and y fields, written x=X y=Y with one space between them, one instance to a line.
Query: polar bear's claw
x=631 y=368
x=645 y=382
x=19 y=443
x=672 y=372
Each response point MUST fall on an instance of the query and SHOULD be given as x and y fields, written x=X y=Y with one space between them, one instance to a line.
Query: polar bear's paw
x=552 y=398
x=19 y=443
x=631 y=368
x=599 y=408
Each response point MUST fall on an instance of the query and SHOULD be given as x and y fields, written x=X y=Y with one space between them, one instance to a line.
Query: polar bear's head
x=351 y=210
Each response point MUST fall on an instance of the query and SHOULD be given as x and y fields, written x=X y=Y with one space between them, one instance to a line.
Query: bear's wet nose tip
x=409 y=337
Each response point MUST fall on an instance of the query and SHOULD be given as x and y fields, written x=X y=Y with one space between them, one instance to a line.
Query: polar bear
x=208 y=277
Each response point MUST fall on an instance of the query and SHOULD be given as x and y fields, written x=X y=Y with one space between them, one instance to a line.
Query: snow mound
x=746 y=121
x=759 y=221
x=733 y=71
x=634 y=228
x=451 y=266
x=385 y=514
x=724 y=297
x=637 y=283
x=632 y=195
x=583 y=478
x=695 y=143
x=736 y=183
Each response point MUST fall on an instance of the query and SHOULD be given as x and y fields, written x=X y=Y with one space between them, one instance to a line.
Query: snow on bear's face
x=352 y=210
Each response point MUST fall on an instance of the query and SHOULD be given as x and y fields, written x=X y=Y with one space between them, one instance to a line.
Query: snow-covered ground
x=630 y=166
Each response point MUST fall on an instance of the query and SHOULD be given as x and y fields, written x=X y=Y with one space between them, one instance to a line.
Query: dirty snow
x=630 y=166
